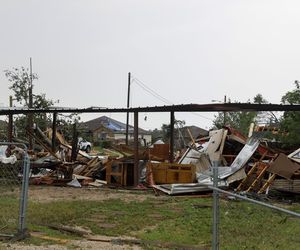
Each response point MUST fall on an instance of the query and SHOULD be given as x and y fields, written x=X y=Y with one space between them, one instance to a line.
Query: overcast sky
x=186 y=51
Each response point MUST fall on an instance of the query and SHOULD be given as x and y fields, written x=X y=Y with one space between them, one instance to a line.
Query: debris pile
x=244 y=164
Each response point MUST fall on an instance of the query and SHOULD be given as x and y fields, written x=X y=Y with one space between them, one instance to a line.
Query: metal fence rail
x=232 y=218
x=14 y=179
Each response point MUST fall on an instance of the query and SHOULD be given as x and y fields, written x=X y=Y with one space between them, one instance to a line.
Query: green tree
x=290 y=121
x=166 y=130
x=20 y=83
x=238 y=120
x=259 y=99
x=65 y=126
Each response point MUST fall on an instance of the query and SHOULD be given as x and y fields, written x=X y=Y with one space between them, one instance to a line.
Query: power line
x=205 y=117
x=151 y=91
x=159 y=97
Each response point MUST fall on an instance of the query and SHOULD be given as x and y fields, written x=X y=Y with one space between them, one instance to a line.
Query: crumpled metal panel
x=243 y=157
x=184 y=188
x=239 y=162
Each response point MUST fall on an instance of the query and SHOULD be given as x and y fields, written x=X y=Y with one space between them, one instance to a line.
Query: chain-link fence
x=14 y=178
x=241 y=222
x=244 y=225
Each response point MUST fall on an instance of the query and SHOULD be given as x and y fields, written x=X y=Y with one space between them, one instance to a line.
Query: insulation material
x=283 y=166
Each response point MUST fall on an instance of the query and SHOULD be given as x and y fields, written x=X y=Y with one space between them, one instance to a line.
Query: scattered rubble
x=244 y=164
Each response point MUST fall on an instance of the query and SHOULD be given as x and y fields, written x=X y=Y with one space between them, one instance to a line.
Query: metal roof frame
x=216 y=107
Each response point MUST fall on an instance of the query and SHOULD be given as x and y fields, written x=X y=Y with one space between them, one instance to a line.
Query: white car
x=84 y=145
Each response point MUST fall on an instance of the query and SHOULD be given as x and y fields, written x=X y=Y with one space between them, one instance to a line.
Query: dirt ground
x=50 y=193
x=73 y=244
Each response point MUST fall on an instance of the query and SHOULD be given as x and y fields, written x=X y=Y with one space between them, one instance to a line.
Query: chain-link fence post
x=10 y=177
x=22 y=230
x=215 y=234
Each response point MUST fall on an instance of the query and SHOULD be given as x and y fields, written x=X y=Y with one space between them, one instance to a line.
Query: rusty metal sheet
x=283 y=166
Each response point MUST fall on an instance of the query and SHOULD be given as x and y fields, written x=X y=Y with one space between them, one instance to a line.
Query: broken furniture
x=170 y=173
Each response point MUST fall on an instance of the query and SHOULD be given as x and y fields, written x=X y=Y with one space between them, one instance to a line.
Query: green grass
x=9 y=211
x=167 y=219
x=98 y=149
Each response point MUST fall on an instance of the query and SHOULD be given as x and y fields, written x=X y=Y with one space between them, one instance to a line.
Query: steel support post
x=53 y=131
x=74 y=144
x=172 y=121
x=128 y=104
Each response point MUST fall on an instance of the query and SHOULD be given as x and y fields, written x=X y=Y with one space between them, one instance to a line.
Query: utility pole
x=10 y=122
x=30 y=102
x=128 y=102
x=224 y=121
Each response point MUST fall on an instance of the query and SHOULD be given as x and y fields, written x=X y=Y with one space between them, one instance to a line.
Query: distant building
x=108 y=129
